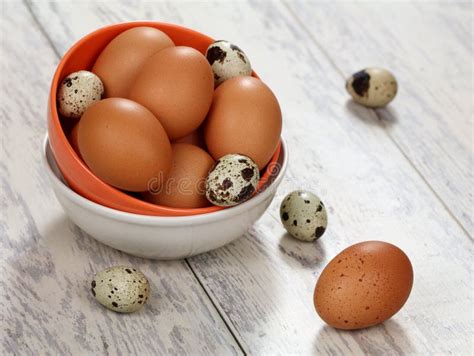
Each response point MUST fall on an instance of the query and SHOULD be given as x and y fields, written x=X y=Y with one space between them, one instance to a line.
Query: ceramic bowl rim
x=152 y=220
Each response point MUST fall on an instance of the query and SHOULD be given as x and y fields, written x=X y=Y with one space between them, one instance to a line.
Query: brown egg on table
x=119 y=63
x=185 y=184
x=176 y=85
x=124 y=144
x=364 y=285
x=244 y=118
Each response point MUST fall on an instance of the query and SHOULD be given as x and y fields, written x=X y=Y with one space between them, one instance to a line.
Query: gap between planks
x=379 y=118
x=226 y=322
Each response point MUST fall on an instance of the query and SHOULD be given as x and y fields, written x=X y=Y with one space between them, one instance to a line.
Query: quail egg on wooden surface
x=77 y=92
x=364 y=285
x=121 y=288
x=232 y=180
x=227 y=61
x=303 y=215
x=372 y=87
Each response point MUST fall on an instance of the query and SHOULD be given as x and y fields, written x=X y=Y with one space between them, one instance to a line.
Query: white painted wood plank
x=428 y=45
x=47 y=263
x=263 y=283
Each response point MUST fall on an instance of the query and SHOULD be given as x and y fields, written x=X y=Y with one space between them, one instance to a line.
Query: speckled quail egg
x=372 y=87
x=77 y=92
x=121 y=288
x=303 y=215
x=232 y=180
x=227 y=61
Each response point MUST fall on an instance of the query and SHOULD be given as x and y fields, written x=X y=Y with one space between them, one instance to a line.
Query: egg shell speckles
x=121 y=288
x=77 y=92
x=232 y=180
x=372 y=87
x=364 y=285
x=227 y=61
x=303 y=215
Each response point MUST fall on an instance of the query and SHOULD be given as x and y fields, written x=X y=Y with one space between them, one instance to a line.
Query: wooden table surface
x=402 y=174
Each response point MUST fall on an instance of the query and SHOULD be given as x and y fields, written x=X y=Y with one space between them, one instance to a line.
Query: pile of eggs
x=181 y=128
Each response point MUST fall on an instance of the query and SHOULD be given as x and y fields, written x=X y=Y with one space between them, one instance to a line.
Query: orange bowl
x=82 y=56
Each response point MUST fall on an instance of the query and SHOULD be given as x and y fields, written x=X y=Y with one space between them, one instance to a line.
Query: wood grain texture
x=263 y=283
x=47 y=263
x=429 y=48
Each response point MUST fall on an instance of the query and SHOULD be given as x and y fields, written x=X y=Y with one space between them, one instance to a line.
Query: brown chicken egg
x=119 y=63
x=195 y=138
x=245 y=117
x=364 y=285
x=185 y=184
x=124 y=144
x=176 y=85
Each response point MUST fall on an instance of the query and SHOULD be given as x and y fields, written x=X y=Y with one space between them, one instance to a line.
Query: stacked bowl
x=123 y=220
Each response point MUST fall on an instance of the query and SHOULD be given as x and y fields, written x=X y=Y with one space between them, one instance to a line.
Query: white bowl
x=162 y=237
